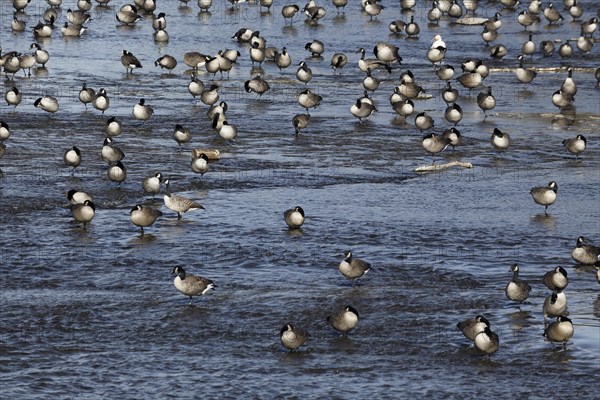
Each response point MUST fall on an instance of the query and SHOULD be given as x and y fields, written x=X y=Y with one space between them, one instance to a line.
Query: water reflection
x=546 y=220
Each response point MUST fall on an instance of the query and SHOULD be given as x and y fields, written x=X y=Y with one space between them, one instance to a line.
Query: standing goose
x=404 y=108
x=551 y=14
x=545 y=196
x=524 y=75
x=569 y=87
x=500 y=140
x=557 y=279
x=86 y=95
x=144 y=216
x=517 y=289
x=117 y=172
x=77 y=17
x=445 y=72
x=412 y=28
x=470 y=80
x=41 y=55
x=560 y=330
x=191 y=285
x=555 y=305
x=486 y=101
x=220 y=108
x=449 y=94
x=472 y=326
x=423 y=121
x=373 y=8
x=434 y=14
x=47 y=103
x=72 y=158
x=303 y=73
x=129 y=61
x=546 y=48
x=369 y=82
x=78 y=196
x=528 y=48
x=566 y=50
x=199 y=163
x=128 y=15
x=353 y=268
x=17 y=25
x=585 y=253
x=436 y=55
x=71 y=30
x=195 y=87
x=434 y=144
x=83 y=212
x=294 y=217
x=525 y=18
x=111 y=153
x=300 y=121
x=344 y=320
x=288 y=12
x=362 y=109
x=181 y=135
x=4 y=131
x=13 y=97
x=257 y=85
x=179 y=204
x=292 y=337
x=575 y=145
x=166 y=62
x=308 y=99
x=453 y=114
x=194 y=60
x=151 y=184
x=142 y=111
x=227 y=131
x=453 y=135
x=283 y=59
x=365 y=63
x=339 y=4
x=210 y=95
x=316 y=48
x=26 y=62
x=386 y=52
x=487 y=341
x=338 y=61
x=113 y=127
x=101 y=101
x=159 y=21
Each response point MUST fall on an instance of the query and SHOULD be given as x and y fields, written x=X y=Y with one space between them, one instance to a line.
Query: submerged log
x=211 y=154
x=438 y=167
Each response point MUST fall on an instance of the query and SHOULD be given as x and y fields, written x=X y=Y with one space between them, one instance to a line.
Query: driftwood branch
x=438 y=167
x=211 y=154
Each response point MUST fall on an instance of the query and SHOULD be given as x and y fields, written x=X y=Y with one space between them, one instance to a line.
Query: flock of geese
x=387 y=58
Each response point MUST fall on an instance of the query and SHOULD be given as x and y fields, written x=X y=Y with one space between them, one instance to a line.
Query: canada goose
x=316 y=48
x=423 y=121
x=560 y=330
x=257 y=41
x=575 y=145
x=569 y=87
x=4 y=131
x=257 y=55
x=292 y=337
x=226 y=131
x=373 y=9
x=487 y=341
x=545 y=196
x=111 y=153
x=148 y=6
x=199 y=163
x=144 y=216
x=179 y=204
x=453 y=114
x=365 y=64
x=445 y=72
x=313 y=11
x=449 y=94
x=412 y=28
x=78 y=196
x=72 y=158
x=43 y=30
x=455 y=10
x=488 y=35
x=339 y=4
x=353 y=268
x=525 y=18
x=243 y=35
x=589 y=27
x=195 y=87
x=181 y=135
x=294 y=217
x=500 y=140
x=83 y=212
x=167 y=62
x=557 y=279
x=128 y=15
x=535 y=7
x=453 y=135
x=555 y=305
x=142 y=111
x=386 y=52
x=524 y=75
x=84 y=5
x=220 y=108
x=397 y=26
x=434 y=14
x=308 y=99
x=230 y=54
x=362 y=110
x=486 y=101
x=117 y=172
x=26 y=62
x=565 y=50
x=194 y=60
x=283 y=59
x=472 y=326
x=17 y=25
x=436 y=55
x=20 y=5
x=257 y=85
x=528 y=47
x=546 y=47
x=159 y=21
x=407 y=76
x=129 y=61
x=434 y=144
x=113 y=127
x=288 y=12
x=517 y=289
x=13 y=97
x=410 y=90
x=404 y=108
x=77 y=17
x=101 y=101
x=210 y=95
x=344 y=320
x=338 y=61
x=72 y=30
x=266 y=3
x=585 y=253
x=303 y=73
x=493 y=23
x=47 y=103
x=551 y=14
x=470 y=80
x=151 y=184
x=300 y=121
x=191 y=285
x=369 y=82
x=498 y=51
x=86 y=95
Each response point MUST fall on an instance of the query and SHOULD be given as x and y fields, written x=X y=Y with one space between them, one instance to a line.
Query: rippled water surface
x=93 y=313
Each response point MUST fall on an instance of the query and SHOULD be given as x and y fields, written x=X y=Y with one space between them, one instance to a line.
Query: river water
x=93 y=313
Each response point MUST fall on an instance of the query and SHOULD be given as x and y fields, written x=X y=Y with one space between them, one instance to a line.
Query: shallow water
x=94 y=312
